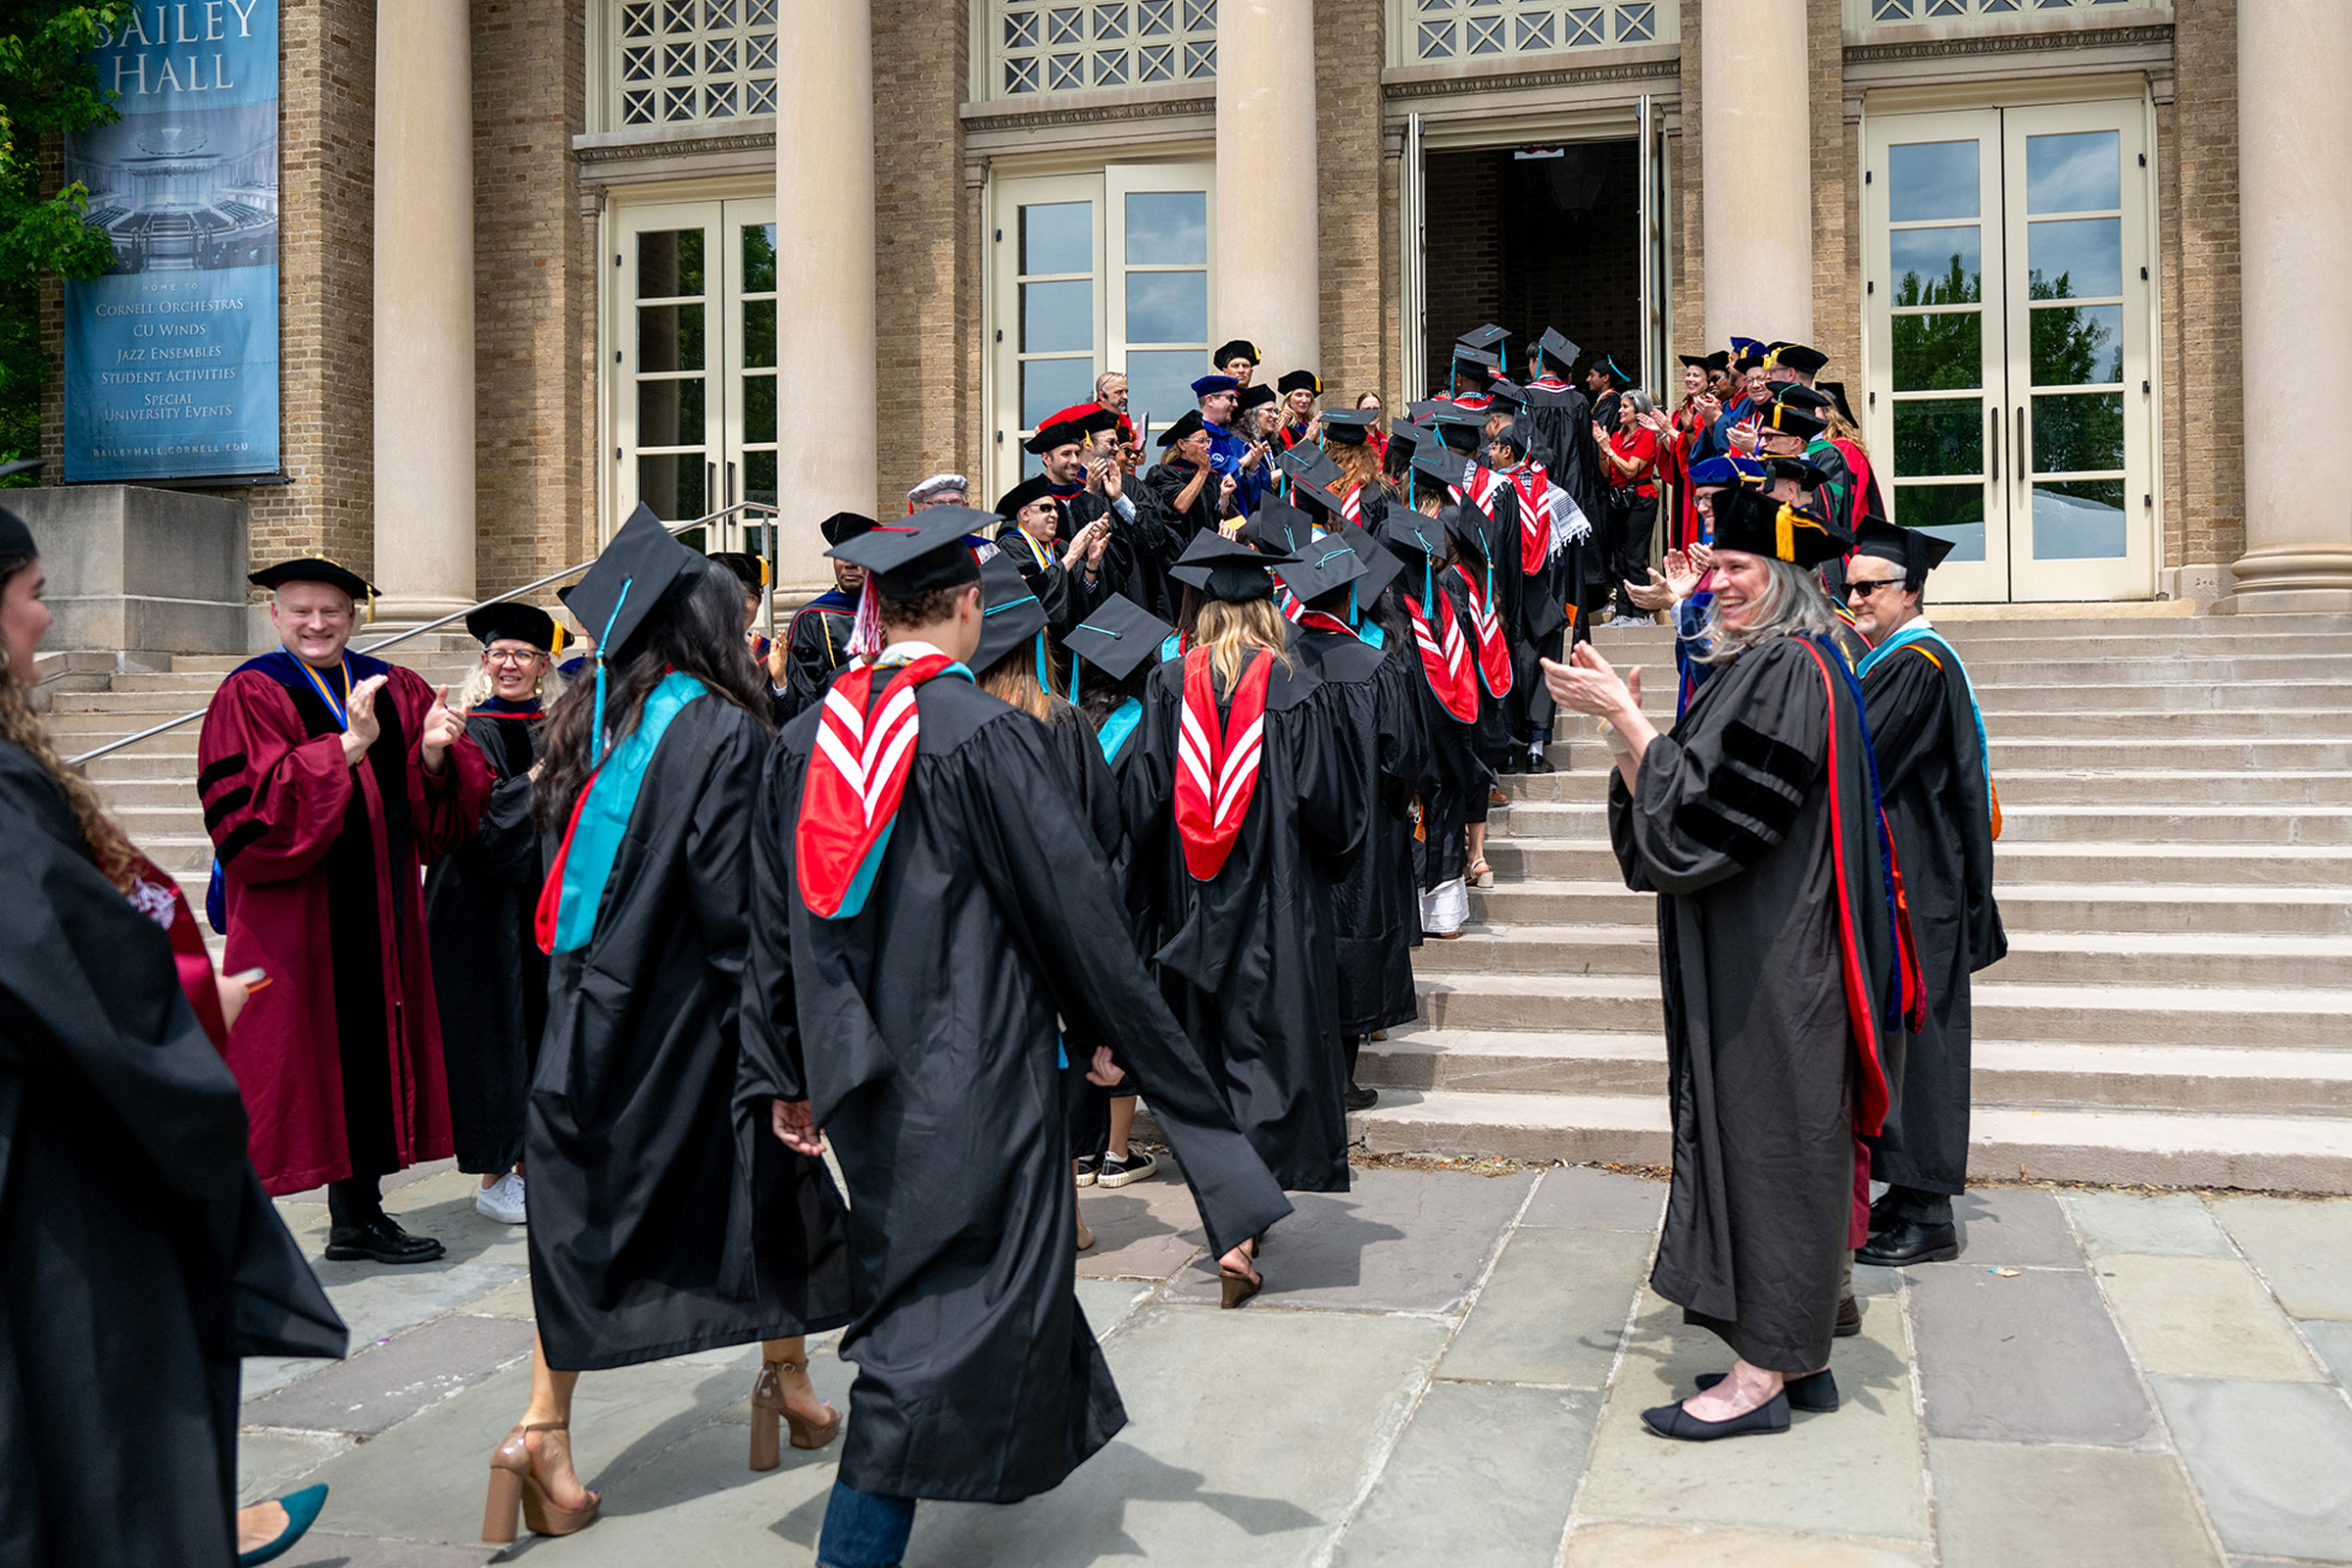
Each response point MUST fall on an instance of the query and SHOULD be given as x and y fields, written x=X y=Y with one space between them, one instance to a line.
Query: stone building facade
x=806 y=252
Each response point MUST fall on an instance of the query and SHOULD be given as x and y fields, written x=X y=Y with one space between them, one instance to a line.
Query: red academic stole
x=857 y=776
x=1493 y=651
x=1324 y=621
x=1529 y=481
x=1444 y=660
x=1352 y=506
x=1216 y=765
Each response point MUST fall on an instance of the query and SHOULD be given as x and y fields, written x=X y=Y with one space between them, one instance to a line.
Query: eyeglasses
x=508 y=657
x=1863 y=587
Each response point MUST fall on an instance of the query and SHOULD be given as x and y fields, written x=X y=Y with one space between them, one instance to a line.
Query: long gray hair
x=1792 y=603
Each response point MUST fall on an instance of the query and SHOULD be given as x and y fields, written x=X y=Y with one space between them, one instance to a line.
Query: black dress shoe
x=1510 y=762
x=1538 y=763
x=1910 y=1242
x=1672 y=1421
x=1818 y=1392
x=1849 y=1318
x=379 y=1241
x=1359 y=1099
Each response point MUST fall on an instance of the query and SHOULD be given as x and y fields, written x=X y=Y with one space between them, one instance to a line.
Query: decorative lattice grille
x=1485 y=30
x=1889 y=11
x=677 y=61
x=1052 y=47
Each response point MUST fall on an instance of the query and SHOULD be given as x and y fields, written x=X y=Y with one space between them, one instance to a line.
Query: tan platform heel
x=769 y=1409
x=514 y=1489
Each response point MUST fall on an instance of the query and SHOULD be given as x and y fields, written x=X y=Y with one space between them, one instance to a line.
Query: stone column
x=2295 y=191
x=424 y=505
x=1755 y=155
x=826 y=407
x=1267 y=269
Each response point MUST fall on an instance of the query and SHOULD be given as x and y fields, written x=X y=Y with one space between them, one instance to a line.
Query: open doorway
x=1530 y=237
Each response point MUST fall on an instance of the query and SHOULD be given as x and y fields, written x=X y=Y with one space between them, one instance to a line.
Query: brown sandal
x=768 y=1408
x=515 y=1489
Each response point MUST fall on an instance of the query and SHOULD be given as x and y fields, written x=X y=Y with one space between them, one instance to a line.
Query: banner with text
x=172 y=357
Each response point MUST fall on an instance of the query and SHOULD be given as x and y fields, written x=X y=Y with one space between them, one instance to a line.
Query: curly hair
x=101 y=840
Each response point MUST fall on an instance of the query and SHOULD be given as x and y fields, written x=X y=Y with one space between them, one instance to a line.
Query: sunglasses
x=1863 y=587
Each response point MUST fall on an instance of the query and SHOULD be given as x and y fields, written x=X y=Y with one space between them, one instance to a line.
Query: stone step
x=2023 y=1074
x=1588 y=820
x=126 y=791
x=2212 y=788
x=1582 y=751
x=2226 y=864
x=2304 y=1154
x=2131 y=906
x=2178 y=670
x=2250 y=1015
x=1999 y=700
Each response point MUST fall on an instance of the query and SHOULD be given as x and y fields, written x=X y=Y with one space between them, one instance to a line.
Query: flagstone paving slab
x=1620 y=1545
x=511 y=1300
x=2017 y=1227
x=1144 y=1229
x=2172 y=1225
x=2333 y=1341
x=1581 y=1198
x=387 y=1384
x=1483 y=1474
x=1553 y=1310
x=1999 y=1505
x=2030 y=1357
x=2271 y=1460
x=270 y=1464
x=319 y=1550
x=2203 y=1317
x=1400 y=1240
x=377 y=1302
x=2302 y=1246
x=1851 y=1472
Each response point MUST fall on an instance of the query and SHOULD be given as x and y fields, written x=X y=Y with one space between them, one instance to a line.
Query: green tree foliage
x=47 y=88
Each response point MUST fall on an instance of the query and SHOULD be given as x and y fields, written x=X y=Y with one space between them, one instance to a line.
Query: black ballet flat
x=1817 y=1392
x=1672 y=1421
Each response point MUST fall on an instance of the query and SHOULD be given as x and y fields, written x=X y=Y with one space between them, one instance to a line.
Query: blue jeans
x=863 y=1530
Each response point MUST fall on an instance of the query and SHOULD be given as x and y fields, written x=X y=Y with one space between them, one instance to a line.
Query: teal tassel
x=1044 y=676
x=596 y=731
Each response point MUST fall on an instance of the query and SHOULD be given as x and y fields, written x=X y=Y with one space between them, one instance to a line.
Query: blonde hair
x=101 y=840
x=1843 y=429
x=1014 y=679
x=1233 y=632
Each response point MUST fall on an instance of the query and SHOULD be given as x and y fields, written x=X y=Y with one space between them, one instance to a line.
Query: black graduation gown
x=646 y=1221
x=1376 y=907
x=1731 y=827
x=139 y=1257
x=921 y=1031
x=1063 y=595
x=489 y=975
x=1249 y=959
x=1164 y=529
x=1560 y=420
x=1458 y=781
x=1095 y=795
x=817 y=644
x=1932 y=780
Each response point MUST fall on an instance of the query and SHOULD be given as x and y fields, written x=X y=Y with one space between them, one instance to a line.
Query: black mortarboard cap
x=1066 y=426
x=844 y=525
x=1413 y=539
x=1119 y=636
x=1223 y=570
x=1351 y=429
x=510 y=621
x=1311 y=463
x=1461 y=429
x=1837 y=392
x=1300 y=381
x=1746 y=520
x=1512 y=435
x=1438 y=464
x=1557 y=349
x=1425 y=409
x=1810 y=475
x=1324 y=566
x=312 y=569
x=1789 y=420
x=1184 y=426
x=1464 y=354
x=1256 y=395
x=637 y=572
x=1811 y=399
x=1236 y=349
x=1917 y=553
x=1406 y=431
x=1502 y=391
x=1381 y=567
x=1799 y=357
x=749 y=569
x=1010 y=615
x=1485 y=337
x=16 y=540
x=929 y=550
x=1276 y=529
x=1461 y=523
x=1035 y=488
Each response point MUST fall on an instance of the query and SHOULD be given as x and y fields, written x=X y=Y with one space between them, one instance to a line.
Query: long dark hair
x=19 y=725
x=698 y=631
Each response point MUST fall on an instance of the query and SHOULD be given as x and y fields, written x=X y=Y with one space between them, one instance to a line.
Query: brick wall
x=1837 y=207
x=1463 y=261
x=2204 y=431
x=535 y=279
x=1689 y=256
x=1349 y=45
x=927 y=266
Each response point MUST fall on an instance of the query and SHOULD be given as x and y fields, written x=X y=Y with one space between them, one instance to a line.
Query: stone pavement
x=1446 y=1367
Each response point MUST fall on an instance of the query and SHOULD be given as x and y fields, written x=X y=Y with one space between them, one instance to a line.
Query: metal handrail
x=675 y=529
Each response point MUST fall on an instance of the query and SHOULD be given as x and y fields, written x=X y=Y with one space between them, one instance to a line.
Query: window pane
x=1057 y=317
x=2079 y=433
x=1167 y=229
x=1160 y=387
x=670 y=337
x=1954 y=512
x=1937 y=266
x=670 y=414
x=759 y=483
x=758 y=408
x=2077 y=343
x=758 y=333
x=2071 y=260
x=759 y=258
x=1931 y=179
x=1051 y=384
x=672 y=483
x=669 y=263
x=2081 y=172
x=1167 y=307
x=1057 y=238
x=2082 y=519
x=1940 y=436
x=1942 y=352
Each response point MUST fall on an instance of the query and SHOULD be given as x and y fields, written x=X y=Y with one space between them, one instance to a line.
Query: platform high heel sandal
x=1481 y=875
x=770 y=1413
x=514 y=1489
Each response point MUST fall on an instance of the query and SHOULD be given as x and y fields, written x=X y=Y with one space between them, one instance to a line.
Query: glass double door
x=2008 y=310
x=691 y=351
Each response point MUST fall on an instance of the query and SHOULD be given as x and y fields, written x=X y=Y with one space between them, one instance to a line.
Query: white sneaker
x=501 y=1200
